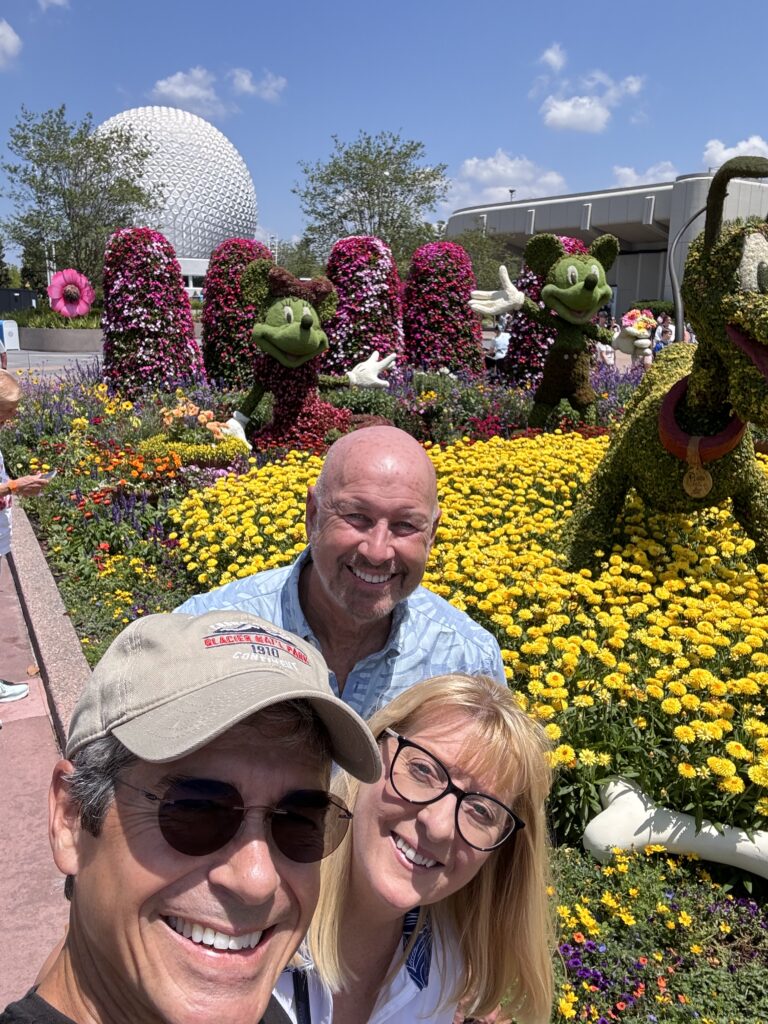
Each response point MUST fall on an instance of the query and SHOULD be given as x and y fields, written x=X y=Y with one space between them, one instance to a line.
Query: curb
x=63 y=667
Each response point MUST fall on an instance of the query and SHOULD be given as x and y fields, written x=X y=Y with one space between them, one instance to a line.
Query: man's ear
x=64 y=827
x=310 y=512
x=435 y=525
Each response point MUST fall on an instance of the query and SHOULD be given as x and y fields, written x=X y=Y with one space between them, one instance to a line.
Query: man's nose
x=376 y=547
x=246 y=868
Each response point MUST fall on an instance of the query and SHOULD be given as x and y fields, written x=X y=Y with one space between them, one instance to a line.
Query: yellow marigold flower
x=671 y=706
x=553 y=731
x=587 y=758
x=684 y=733
x=686 y=770
x=731 y=785
x=758 y=773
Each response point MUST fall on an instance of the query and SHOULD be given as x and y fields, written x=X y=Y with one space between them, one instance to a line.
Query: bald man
x=355 y=591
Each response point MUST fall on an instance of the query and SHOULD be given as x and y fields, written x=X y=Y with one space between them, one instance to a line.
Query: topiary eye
x=572 y=274
x=288 y=313
x=762 y=277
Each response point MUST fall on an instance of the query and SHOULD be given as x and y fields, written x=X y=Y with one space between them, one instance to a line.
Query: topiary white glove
x=235 y=426
x=503 y=300
x=366 y=374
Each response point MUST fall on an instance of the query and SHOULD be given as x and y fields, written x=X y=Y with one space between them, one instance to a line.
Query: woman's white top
x=5 y=513
x=414 y=996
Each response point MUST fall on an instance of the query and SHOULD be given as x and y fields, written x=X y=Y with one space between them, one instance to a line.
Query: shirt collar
x=295 y=620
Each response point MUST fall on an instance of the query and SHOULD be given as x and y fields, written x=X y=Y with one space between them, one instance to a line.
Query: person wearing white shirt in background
x=496 y=350
x=437 y=897
x=665 y=324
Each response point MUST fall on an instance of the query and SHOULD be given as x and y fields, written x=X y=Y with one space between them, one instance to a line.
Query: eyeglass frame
x=270 y=809
x=451 y=788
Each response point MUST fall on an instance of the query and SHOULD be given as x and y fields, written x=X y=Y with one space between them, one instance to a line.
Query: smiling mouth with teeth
x=204 y=936
x=412 y=855
x=368 y=577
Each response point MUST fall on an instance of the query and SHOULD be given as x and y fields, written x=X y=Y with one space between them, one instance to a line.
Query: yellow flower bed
x=655 y=664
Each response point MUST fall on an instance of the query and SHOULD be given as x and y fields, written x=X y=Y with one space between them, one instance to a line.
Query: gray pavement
x=48 y=363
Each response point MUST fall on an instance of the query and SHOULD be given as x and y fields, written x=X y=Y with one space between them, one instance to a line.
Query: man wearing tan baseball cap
x=190 y=818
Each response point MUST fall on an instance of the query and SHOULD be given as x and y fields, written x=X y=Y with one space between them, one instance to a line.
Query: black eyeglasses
x=482 y=821
x=199 y=816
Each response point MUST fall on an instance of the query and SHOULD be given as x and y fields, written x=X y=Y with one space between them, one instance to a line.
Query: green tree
x=5 y=270
x=33 y=266
x=488 y=251
x=72 y=186
x=377 y=185
x=299 y=258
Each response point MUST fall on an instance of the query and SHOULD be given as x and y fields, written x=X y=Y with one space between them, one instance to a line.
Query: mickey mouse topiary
x=575 y=288
x=684 y=443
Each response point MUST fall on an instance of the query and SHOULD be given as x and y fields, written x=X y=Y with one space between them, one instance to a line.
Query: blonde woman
x=437 y=897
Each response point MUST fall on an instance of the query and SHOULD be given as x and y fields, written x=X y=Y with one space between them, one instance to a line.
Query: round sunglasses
x=200 y=816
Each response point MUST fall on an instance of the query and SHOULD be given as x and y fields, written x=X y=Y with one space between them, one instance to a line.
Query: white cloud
x=10 y=44
x=716 y=152
x=626 y=177
x=589 y=109
x=192 y=90
x=269 y=86
x=554 y=57
x=577 y=113
x=489 y=179
x=45 y=4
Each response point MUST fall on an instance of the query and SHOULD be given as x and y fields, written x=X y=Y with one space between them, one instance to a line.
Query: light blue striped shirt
x=429 y=637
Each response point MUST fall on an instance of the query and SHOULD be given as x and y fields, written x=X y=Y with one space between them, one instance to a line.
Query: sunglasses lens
x=309 y=824
x=199 y=816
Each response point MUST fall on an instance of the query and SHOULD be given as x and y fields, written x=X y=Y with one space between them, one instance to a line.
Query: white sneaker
x=12 y=691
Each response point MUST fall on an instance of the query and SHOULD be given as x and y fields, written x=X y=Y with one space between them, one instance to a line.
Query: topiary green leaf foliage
x=575 y=288
x=725 y=290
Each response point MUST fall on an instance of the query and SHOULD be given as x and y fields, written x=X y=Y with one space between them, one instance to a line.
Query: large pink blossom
x=71 y=293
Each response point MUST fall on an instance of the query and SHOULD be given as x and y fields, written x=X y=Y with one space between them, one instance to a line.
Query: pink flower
x=71 y=293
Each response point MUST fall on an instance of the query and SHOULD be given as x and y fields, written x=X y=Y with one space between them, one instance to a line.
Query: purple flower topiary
x=369 y=314
x=149 y=339
x=441 y=331
x=228 y=318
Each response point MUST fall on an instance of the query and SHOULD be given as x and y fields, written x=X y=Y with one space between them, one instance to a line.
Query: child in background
x=10 y=393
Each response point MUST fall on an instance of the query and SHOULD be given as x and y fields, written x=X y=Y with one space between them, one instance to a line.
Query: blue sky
x=544 y=99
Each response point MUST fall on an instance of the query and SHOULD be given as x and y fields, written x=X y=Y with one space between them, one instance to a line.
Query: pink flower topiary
x=369 y=314
x=441 y=331
x=228 y=318
x=149 y=339
x=71 y=293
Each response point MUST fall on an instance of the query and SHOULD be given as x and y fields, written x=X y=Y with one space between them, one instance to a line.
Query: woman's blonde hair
x=501 y=917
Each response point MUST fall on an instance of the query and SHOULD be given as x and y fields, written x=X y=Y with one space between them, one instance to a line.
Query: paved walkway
x=33 y=909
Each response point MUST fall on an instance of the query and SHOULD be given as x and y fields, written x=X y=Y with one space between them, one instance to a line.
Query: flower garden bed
x=653 y=666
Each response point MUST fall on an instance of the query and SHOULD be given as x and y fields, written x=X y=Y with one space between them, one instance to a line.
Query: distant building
x=209 y=193
x=645 y=219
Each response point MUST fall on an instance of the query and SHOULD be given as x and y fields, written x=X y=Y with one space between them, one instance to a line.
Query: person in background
x=354 y=592
x=496 y=351
x=437 y=897
x=23 y=486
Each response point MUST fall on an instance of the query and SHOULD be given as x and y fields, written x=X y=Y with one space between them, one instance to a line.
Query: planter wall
x=59 y=339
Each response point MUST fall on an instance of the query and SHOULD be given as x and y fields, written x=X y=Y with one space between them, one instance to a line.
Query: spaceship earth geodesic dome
x=209 y=194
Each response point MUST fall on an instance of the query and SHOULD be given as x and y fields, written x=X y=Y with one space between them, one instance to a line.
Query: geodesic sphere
x=209 y=194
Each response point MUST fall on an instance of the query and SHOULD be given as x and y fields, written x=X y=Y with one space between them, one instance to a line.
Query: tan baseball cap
x=169 y=684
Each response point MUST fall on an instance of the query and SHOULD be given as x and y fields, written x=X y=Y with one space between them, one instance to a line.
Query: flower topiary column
x=228 y=318
x=441 y=331
x=369 y=314
x=149 y=340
